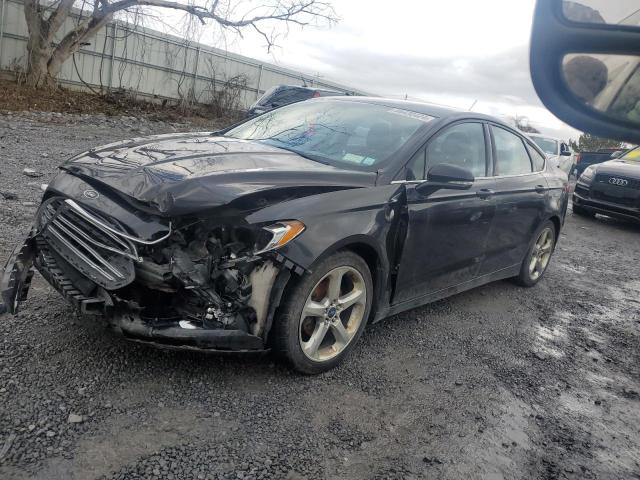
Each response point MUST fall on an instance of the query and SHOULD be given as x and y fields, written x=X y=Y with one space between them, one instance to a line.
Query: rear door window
x=512 y=157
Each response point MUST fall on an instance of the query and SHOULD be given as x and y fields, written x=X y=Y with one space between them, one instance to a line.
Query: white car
x=555 y=149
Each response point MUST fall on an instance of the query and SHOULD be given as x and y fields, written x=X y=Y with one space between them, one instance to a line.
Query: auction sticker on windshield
x=406 y=113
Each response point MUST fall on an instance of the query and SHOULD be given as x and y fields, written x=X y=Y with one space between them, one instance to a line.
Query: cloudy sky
x=451 y=52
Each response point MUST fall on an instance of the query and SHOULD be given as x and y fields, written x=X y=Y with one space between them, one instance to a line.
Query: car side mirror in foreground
x=585 y=64
x=446 y=176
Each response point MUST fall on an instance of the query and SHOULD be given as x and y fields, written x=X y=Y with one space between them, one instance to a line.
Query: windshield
x=340 y=133
x=548 y=145
x=633 y=155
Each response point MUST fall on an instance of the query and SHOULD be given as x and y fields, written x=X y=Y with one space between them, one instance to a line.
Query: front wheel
x=538 y=257
x=324 y=314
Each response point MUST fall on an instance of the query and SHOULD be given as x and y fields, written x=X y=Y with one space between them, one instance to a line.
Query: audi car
x=611 y=188
x=293 y=230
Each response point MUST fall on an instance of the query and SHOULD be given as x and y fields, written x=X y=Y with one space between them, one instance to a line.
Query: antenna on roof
x=473 y=105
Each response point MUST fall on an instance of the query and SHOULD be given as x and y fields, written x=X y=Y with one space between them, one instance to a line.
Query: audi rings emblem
x=621 y=182
x=91 y=194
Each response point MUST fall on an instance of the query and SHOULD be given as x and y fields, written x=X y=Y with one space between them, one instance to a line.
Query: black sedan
x=292 y=230
x=611 y=188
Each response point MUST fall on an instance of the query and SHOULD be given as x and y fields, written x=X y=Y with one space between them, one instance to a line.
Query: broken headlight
x=278 y=235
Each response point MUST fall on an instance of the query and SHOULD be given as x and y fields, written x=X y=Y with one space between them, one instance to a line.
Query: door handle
x=485 y=193
x=540 y=189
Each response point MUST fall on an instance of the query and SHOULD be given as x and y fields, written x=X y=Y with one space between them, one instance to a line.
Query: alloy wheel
x=541 y=254
x=332 y=313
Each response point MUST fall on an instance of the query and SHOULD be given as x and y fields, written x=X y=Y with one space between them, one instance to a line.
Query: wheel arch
x=557 y=223
x=363 y=246
x=367 y=248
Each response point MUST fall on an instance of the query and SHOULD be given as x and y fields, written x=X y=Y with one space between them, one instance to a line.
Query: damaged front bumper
x=175 y=334
x=164 y=295
x=16 y=276
x=186 y=336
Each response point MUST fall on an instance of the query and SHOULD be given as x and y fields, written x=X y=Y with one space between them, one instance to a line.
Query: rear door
x=521 y=198
x=447 y=231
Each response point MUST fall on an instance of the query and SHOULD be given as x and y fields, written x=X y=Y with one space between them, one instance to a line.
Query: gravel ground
x=498 y=382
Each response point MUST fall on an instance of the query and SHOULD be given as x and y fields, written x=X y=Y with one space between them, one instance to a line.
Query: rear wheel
x=583 y=212
x=324 y=314
x=538 y=257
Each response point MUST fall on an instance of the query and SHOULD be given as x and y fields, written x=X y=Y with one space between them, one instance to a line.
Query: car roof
x=306 y=87
x=436 y=111
x=418 y=107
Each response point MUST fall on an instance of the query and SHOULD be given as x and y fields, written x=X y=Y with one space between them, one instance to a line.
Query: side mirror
x=446 y=176
x=585 y=64
x=564 y=151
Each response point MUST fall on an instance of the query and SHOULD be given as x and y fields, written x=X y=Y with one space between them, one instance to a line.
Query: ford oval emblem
x=90 y=194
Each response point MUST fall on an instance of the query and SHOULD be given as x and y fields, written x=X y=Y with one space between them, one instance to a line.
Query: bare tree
x=522 y=123
x=45 y=23
x=222 y=95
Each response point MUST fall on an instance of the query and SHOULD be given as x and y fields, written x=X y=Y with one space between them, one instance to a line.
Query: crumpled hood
x=619 y=167
x=184 y=173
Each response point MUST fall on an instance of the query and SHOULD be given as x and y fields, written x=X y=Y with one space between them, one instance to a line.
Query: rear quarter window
x=537 y=158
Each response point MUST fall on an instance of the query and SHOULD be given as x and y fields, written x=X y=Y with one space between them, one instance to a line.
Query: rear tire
x=583 y=212
x=538 y=256
x=324 y=313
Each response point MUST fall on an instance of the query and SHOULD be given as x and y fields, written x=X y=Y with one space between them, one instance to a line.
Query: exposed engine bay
x=205 y=276
x=210 y=284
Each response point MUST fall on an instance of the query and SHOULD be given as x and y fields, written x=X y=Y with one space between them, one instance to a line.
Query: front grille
x=88 y=246
x=604 y=179
x=604 y=196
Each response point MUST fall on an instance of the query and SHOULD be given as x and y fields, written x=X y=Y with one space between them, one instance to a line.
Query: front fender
x=366 y=217
x=334 y=220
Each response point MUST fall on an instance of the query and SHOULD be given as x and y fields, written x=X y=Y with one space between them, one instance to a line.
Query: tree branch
x=199 y=12
x=57 y=18
x=46 y=60
x=282 y=11
x=33 y=18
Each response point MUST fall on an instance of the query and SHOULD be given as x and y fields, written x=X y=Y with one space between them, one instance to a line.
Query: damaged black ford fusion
x=294 y=229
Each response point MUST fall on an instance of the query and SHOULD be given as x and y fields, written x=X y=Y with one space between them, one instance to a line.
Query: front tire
x=538 y=256
x=324 y=314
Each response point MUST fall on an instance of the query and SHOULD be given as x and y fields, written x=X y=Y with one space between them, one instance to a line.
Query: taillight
x=316 y=94
x=578 y=158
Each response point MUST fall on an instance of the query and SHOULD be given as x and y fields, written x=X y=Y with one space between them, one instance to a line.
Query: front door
x=447 y=232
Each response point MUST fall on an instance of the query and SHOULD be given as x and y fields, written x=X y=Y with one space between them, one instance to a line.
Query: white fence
x=150 y=63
